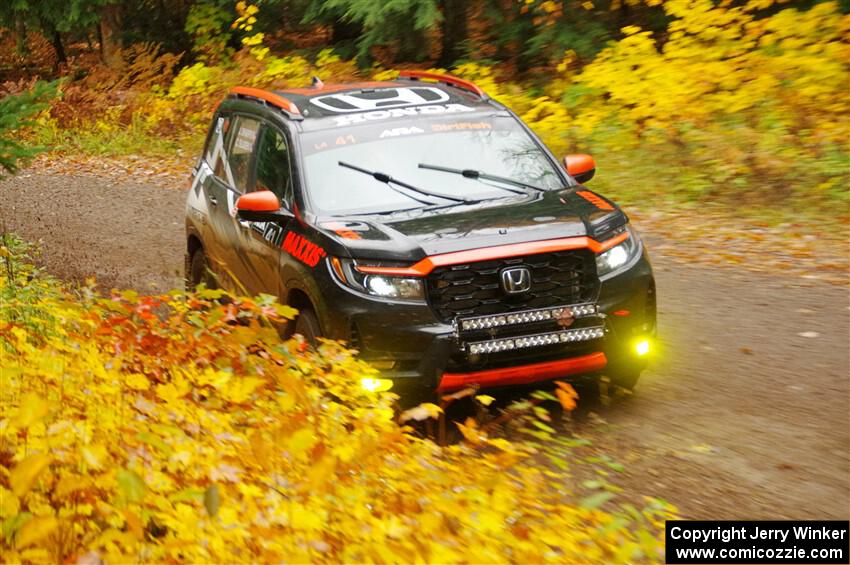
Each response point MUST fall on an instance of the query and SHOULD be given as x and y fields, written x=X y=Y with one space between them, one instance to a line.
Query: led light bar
x=537 y=340
x=526 y=316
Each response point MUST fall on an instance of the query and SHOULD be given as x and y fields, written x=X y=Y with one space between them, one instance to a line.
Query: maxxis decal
x=305 y=251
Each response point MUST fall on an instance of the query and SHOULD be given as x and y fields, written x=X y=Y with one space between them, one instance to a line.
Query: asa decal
x=305 y=251
x=395 y=132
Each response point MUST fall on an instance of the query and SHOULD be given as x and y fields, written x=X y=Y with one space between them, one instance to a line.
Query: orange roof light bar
x=270 y=97
x=428 y=264
x=448 y=79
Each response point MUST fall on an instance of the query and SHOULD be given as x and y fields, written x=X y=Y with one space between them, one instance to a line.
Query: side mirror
x=261 y=206
x=580 y=166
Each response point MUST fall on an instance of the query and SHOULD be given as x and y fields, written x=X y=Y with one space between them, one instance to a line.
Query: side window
x=241 y=146
x=214 y=153
x=273 y=172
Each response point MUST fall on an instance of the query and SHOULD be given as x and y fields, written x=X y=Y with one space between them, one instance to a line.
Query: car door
x=272 y=171
x=230 y=179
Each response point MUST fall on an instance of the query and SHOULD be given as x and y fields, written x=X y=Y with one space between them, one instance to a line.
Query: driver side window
x=273 y=171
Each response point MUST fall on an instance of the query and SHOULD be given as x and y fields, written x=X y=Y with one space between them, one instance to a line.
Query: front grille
x=474 y=289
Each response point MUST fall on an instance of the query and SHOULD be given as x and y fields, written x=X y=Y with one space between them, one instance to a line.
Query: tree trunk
x=21 y=46
x=343 y=31
x=56 y=40
x=110 y=35
x=454 y=31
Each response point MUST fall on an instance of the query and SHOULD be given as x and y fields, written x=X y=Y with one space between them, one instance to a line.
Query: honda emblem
x=516 y=280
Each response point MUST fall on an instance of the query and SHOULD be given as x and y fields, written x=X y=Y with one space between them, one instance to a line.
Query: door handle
x=213 y=200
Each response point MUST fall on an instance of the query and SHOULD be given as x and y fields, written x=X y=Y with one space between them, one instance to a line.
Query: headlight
x=618 y=256
x=398 y=288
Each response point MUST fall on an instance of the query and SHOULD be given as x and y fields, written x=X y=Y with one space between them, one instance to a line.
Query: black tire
x=625 y=378
x=199 y=271
x=307 y=324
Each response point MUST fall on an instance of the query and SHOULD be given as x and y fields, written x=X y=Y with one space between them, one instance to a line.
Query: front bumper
x=417 y=351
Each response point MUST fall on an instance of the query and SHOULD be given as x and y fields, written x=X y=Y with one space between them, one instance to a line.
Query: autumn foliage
x=181 y=428
x=744 y=103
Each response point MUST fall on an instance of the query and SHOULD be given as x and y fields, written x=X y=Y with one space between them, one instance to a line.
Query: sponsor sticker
x=302 y=249
x=432 y=109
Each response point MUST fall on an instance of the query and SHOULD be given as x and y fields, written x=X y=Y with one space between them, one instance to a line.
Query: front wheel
x=307 y=324
x=199 y=272
x=626 y=377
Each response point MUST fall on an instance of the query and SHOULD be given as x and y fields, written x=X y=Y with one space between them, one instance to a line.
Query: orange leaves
x=199 y=436
x=567 y=396
x=471 y=433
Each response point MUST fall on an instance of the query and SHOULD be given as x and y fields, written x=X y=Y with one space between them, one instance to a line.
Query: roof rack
x=269 y=97
x=446 y=79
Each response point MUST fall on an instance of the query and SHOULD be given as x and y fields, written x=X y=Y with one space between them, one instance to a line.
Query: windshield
x=493 y=145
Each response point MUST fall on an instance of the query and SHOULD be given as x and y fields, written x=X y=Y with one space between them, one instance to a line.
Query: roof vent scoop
x=317 y=83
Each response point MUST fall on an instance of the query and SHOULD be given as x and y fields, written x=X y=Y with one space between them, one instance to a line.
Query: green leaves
x=15 y=112
x=130 y=485
x=212 y=499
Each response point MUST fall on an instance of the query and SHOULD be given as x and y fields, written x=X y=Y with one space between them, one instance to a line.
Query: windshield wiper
x=390 y=181
x=478 y=175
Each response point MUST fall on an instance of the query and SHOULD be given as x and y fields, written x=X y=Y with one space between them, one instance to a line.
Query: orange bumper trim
x=524 y=374
x=428 y=264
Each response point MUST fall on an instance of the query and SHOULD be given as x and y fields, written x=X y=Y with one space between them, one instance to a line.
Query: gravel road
x=741 y=416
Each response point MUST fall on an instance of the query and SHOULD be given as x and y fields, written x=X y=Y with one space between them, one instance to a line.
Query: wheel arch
x=300 y=300
x=193 y=243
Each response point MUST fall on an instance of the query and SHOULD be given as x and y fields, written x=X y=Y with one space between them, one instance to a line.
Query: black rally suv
x=426 y=225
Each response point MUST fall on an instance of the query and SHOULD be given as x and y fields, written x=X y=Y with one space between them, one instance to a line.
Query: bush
x=181 y=428
x=15 y=111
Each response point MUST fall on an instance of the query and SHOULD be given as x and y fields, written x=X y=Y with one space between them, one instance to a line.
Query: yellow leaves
x=485 y=399
x=471 y=433
x=94 y=455
x=10 y=505
x=299 y=442
x=35 y=530
x=70 y=484
x=424 y=411
x=172 y=391
x=304 y=518
x=239 y=390
x=32 y=409
x=137 y=381
x=23 y=476
x=248 y=449
x=719 y=63
x=130 y=485
x=549 y=6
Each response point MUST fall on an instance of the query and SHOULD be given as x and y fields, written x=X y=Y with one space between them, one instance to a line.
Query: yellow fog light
x=642 y=347
x=376 y=385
